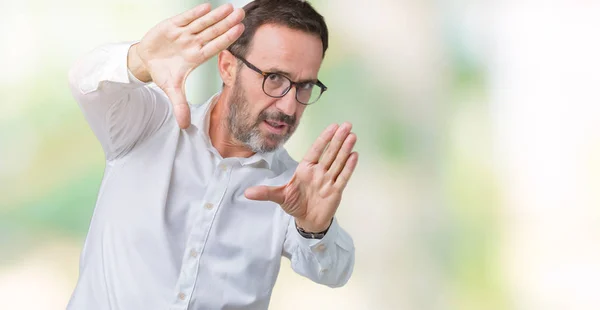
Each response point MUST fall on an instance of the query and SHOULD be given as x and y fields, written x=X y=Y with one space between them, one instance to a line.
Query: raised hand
x=175 y=47
x=314 y=193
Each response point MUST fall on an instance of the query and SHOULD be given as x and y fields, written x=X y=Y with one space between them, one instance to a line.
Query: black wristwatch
x=312 y=235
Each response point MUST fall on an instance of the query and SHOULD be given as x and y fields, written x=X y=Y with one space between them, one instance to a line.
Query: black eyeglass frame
x=292 y=83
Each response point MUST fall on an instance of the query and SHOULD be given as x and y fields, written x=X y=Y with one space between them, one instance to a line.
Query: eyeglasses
x=277 y=85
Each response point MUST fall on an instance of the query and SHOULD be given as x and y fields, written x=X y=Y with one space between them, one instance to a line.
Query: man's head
x=281 y=36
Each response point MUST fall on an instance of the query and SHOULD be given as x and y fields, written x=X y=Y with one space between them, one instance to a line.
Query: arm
x=327 y=261
x=121 y=110
x=312 y=197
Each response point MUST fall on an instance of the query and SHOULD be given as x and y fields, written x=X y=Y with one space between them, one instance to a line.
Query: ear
x=227 y=64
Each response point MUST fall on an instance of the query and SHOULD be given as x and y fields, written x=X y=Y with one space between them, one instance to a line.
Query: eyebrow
x=287 y=74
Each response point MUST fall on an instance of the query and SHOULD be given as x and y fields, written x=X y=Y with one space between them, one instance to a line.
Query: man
x=198 y=203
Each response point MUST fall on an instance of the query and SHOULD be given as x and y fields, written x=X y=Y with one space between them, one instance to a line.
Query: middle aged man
x=198 y=203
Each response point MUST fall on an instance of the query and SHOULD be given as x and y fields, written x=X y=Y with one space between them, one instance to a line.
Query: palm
x=168 y=65
x=314 y=193
x=175 y=47
x=310 y=195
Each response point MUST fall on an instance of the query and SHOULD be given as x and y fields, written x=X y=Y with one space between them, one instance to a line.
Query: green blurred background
x=478 y=125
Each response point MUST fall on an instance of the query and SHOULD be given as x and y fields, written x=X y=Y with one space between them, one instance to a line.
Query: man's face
x=261 y=122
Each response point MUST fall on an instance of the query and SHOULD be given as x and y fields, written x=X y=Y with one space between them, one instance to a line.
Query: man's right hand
x=175 y=47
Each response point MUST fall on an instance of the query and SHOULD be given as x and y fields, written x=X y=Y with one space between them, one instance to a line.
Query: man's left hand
x=314 y=193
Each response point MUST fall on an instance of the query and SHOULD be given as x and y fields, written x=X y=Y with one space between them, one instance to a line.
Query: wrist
x=136 y=65
x=314 y=227
x=315 y=233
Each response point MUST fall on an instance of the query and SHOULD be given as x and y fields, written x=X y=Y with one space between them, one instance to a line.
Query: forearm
x=119 y=108
x=328 y=261
x=101 y=75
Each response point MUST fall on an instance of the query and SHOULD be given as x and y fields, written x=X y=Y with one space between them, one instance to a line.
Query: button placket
x=189 y=268
x=199 y=234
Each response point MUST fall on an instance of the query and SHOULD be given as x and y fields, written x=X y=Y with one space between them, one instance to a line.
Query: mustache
x=277 y=116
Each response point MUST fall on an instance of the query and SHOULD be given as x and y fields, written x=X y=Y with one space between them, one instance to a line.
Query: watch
x=312 y=235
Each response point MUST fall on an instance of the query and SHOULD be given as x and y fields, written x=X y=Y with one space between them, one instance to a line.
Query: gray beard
x=245 y=130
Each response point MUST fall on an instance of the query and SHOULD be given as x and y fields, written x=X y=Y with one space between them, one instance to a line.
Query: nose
x=288 y=104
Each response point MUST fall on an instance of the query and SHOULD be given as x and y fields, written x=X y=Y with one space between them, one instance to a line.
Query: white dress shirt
x=171 y=228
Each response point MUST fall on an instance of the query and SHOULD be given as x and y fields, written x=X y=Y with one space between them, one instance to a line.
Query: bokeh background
x=478 y=185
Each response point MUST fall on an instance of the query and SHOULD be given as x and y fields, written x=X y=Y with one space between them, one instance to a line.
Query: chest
x=183 y=198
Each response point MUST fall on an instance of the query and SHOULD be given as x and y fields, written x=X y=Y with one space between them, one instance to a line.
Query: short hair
x=294 y=14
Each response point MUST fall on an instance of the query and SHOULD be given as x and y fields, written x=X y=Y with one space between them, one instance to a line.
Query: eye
x=306 y=86
x=274 y=77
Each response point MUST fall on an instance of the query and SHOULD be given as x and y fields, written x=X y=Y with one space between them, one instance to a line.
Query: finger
x=346 y=173
x=335 y=145
x=181 y=109
x=222 y=42
x=265 y=193
x=210 y=19
x=188 y=16
x=221 y=27
x=342 y=157
x=315 y=151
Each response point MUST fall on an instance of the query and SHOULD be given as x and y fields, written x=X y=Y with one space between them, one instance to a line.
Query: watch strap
x=312 y=235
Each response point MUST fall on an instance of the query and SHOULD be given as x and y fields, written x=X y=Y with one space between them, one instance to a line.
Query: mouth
x=275 y=127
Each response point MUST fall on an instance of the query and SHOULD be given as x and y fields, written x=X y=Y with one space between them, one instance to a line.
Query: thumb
x=181 y=109
x=266 y=193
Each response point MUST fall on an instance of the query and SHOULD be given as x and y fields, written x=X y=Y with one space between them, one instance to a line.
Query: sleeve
x=121 y=110
x=327 y=261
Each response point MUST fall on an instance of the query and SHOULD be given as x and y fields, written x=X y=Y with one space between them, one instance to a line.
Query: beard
x=245 y=128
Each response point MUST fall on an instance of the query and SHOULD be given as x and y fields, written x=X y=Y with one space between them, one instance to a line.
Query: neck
x=219 y=133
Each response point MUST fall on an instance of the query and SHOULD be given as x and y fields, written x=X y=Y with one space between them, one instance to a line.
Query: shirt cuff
x=110 y=65
x=317 y=245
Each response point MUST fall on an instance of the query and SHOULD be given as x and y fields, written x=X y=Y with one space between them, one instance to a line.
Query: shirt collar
x=202 y=122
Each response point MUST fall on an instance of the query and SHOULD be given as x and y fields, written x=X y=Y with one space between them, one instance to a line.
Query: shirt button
x=223 y=167
x=181 y=296
x=324 y=270
x=321 y=248
x=208 y=206
x=193 y=253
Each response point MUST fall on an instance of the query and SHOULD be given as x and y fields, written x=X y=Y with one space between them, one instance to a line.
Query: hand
x=173 y=48
x=314 y=193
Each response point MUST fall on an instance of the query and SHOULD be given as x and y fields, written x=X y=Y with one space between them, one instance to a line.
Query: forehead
x=278 y=47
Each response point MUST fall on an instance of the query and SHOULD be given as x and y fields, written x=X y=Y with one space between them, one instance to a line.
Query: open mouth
x=275 y=126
